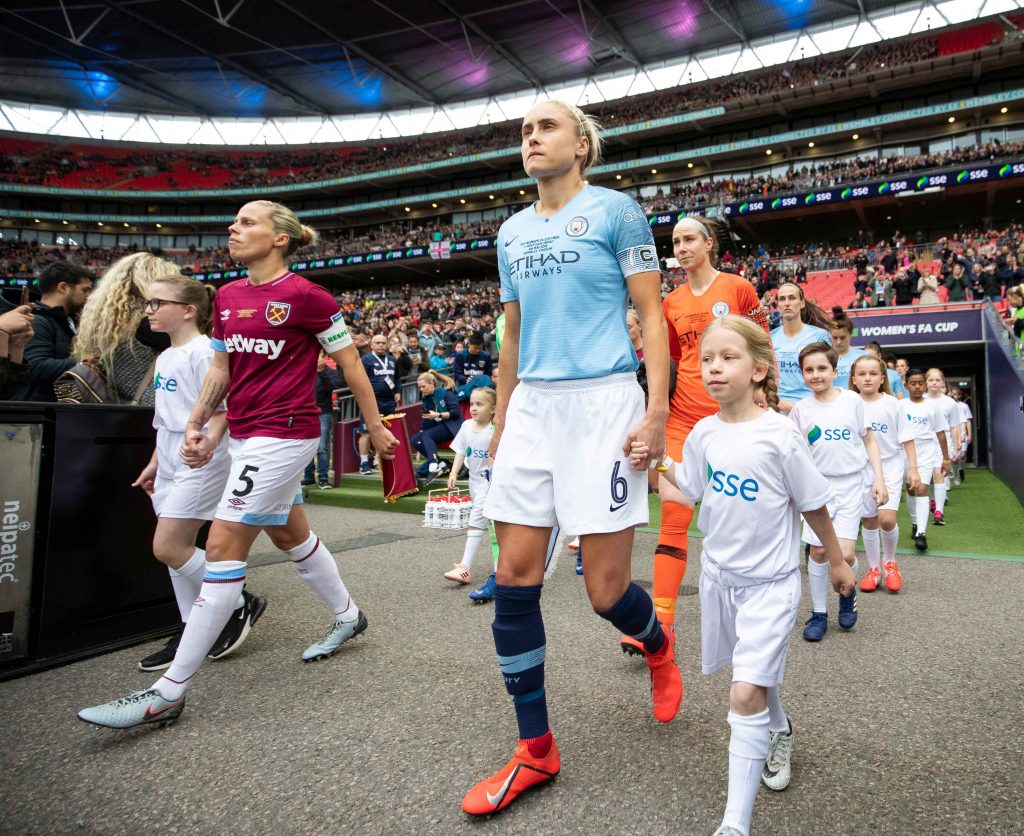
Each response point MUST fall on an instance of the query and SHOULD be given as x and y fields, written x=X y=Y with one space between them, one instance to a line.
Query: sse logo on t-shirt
x=729 y=484
x=828 y=434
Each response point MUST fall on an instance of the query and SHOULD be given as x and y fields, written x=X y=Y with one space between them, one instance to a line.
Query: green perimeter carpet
x=983 y=518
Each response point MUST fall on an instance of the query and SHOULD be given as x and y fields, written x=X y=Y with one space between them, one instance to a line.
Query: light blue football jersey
x=843 y=369
x=787 y=352
x=568 y=272
x=896 y=383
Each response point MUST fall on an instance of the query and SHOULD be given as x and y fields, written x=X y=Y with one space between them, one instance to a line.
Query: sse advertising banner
x=917 y=328
x=903 y=184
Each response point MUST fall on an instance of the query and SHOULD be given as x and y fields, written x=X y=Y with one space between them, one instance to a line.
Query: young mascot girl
x=472 y=447
x=184 y=498
x=843 y=448
x=749 y=464
x=708 y=294
x=895 y=439
x=564 y=423
x=268 y=331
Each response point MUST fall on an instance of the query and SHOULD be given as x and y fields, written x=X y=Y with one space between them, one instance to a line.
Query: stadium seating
x=968 y=40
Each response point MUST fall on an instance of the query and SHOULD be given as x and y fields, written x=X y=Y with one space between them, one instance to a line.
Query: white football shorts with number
x=181 y=492
x=264 y=479
x=560 y=457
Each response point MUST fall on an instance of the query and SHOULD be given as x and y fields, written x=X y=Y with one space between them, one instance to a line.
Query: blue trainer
x=485 y=593
x=848 y=610
x=817 y=624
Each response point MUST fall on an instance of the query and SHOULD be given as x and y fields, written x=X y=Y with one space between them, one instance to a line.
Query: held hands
x=651 y=434
x=639 y=453
x=880 y=492
x=197 y=449
x=841 y=576
x=146 y=479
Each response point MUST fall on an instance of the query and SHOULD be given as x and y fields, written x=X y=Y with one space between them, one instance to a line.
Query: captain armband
x=337 y=336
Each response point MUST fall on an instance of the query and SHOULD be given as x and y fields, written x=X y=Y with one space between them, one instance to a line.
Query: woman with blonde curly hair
x=114 y=330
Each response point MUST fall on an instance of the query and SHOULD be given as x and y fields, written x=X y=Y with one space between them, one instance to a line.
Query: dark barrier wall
x=1006 y=399
x=95 y=582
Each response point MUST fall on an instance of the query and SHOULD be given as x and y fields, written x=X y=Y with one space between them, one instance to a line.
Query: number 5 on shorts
x=243 y=477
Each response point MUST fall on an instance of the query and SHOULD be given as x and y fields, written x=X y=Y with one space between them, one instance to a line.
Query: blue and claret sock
x=521 y=645
x=633 y=614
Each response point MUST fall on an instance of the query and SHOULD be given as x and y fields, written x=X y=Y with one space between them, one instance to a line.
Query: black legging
x=426 y=441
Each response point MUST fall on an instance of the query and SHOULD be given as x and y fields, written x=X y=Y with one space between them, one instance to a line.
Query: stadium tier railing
x=1007 y=97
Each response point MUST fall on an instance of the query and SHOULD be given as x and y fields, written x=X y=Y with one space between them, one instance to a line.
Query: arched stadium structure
x=769 y=135
x=815 y=130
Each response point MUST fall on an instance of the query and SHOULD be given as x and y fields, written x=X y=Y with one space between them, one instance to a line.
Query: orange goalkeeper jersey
x=687 y=315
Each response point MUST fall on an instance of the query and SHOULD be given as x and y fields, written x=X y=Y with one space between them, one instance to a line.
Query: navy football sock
x=633 y=615
x=519 y=640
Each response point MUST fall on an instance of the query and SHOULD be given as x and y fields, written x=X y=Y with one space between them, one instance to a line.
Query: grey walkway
x=909 y=724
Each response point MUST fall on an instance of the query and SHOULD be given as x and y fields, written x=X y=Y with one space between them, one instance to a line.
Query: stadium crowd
x=19 y=258
x=51 y=163
x=695 y=194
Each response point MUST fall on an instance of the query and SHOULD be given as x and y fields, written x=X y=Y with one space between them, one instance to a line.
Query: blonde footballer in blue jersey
x=565 y=423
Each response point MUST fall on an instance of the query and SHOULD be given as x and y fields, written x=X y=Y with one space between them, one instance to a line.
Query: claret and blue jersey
x=568 y=271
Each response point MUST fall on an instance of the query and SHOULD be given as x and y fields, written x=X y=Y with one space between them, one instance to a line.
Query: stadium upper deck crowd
x=20 y=258
x=49 y=164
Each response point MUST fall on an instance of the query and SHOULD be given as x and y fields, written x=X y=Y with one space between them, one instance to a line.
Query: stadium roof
x=438 y=64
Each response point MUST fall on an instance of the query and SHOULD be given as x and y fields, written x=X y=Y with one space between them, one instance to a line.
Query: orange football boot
x=666 y=681
x=519 y=774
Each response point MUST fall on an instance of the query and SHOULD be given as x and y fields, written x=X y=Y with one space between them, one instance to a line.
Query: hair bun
x=309 y=236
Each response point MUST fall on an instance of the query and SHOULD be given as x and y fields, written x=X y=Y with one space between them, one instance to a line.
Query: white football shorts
x=747 y=627
x=181 y=493
x=263 y=482
x=560 y=458
x=844 y=509
x=895 y=472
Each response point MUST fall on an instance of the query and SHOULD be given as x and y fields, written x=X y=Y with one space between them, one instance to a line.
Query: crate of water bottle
x=447 y=509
